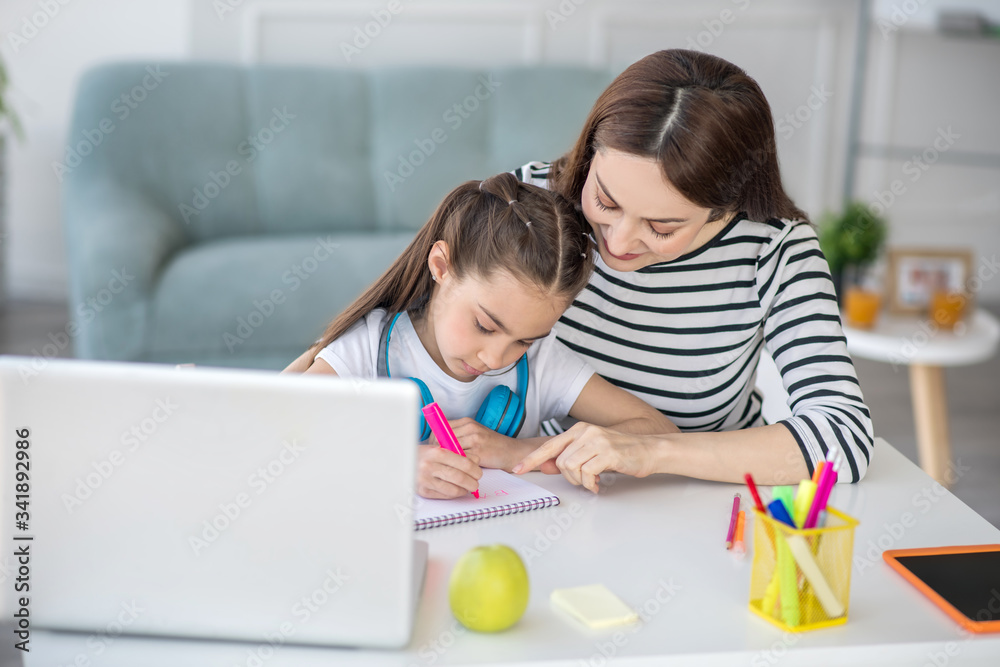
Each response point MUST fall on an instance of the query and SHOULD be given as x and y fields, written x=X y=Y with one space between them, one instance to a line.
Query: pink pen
x=826 y=482
x=437 y=422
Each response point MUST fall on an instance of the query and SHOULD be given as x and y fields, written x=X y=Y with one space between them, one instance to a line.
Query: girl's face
x=474 y=325
x=637 y=216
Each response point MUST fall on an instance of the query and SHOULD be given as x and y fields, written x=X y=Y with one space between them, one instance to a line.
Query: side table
x=917 y=342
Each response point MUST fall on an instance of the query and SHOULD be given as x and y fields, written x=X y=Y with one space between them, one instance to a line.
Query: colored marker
x=818 y=472
x=732 y=521
x=437 y=422
x=739 y=548
x=822 y=496
x=785 y=568
x=803 y=501
x=753 y=492
x=785 y=494
x=780 y=512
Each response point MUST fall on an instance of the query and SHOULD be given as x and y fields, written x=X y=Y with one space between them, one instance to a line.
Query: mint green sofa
x=222 y=215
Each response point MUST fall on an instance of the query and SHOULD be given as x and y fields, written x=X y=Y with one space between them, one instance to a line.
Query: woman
x=704 y=260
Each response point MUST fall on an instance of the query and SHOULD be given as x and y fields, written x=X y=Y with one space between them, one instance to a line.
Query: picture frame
x=916 y=273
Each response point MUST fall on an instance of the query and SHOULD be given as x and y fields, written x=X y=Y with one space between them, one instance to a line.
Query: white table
x=660 y=537
x=919 y=343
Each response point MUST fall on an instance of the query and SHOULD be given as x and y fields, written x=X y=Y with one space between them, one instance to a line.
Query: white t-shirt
x=556 y=375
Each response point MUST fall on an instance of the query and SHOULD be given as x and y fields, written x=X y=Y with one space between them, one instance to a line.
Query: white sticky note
x=593 y=605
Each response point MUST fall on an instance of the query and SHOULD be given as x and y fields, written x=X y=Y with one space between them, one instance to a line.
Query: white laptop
x=214 y=503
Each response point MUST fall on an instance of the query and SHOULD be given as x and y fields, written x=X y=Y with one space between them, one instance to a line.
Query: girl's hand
x=444 y=474
x=585 y=451
x=484 y=446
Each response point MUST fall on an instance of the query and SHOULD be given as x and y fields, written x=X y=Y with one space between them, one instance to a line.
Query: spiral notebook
x=500 y=493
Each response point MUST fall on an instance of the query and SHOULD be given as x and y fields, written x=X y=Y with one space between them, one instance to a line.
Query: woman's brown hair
x=703 y=119
x=500 y=223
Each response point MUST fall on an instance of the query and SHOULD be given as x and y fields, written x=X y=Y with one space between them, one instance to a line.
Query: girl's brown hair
x=703 y=119
x=497 y=224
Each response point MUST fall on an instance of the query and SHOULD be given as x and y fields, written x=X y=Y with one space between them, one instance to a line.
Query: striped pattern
x=686 y=335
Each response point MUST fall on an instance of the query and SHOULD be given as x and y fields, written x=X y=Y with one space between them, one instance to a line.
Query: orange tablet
x=963 y=581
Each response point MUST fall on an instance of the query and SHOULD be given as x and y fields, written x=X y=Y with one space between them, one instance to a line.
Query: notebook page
x=499 y=493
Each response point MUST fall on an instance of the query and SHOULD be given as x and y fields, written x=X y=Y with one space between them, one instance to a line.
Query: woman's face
x=637 y=216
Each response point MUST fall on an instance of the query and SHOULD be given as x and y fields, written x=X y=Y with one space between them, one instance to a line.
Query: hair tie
x=511 y=202
x=584 y=255
x=527 y=223
x=481 y=186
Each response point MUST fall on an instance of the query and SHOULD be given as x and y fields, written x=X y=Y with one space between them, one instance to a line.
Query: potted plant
x=851 y=241
x=8 y=119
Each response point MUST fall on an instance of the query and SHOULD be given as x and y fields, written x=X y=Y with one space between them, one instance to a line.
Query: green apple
x=489 y=589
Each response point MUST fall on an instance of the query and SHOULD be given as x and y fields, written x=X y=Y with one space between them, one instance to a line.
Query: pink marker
x=826 y=482
x=437 y=422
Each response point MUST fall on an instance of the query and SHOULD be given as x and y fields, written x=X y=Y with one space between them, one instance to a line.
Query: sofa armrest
x=117 y=241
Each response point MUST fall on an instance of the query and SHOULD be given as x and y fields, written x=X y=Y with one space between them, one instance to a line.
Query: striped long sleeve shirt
x=685 y=335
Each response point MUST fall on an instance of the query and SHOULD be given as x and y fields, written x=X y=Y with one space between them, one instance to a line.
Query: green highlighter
x=785 y=566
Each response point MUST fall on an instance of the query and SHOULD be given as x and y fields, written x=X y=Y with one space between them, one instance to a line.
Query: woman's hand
x=444 y=474
x=585 y=451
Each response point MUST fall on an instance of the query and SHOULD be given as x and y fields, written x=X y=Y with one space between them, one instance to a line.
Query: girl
x=467 y=310
x=704 y=261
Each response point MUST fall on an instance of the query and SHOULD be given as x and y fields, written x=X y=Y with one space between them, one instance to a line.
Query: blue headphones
x=502 y=411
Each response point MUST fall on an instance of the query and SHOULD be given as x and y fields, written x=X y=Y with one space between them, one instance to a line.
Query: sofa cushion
x=244 y=300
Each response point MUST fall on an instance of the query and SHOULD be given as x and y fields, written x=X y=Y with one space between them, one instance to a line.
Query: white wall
x=808 y=62
x=930 y=144
x=789 y=46
x=44 y=70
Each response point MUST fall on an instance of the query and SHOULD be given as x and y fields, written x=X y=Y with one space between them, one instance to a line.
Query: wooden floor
x=28 y=328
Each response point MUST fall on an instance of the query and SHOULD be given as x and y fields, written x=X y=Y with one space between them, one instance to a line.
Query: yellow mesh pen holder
x=801 y=579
